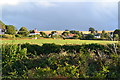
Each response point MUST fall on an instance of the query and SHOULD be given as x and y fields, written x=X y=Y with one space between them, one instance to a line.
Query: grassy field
x=57 y=41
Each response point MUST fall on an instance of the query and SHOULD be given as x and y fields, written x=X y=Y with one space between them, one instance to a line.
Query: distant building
x=35 y=32
x=2 y=31
x=97 y=35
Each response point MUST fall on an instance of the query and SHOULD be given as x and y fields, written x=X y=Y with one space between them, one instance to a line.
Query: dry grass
x=84 y=32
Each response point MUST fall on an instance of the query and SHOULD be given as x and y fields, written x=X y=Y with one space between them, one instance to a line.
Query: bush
x=51 y=48
x=8 y=36
x=85 y=61
x=18 y=35
x=89 y=37
x=32 y=48
x=12 y=64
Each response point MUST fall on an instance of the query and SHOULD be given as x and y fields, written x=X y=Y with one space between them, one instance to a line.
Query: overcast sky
x=61 y=15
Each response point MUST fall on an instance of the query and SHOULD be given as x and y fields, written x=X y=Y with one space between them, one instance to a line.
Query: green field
x=57 y=41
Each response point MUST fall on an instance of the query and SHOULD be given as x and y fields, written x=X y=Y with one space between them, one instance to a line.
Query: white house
x=97 y=35
x=35 y=32
x=2 y=31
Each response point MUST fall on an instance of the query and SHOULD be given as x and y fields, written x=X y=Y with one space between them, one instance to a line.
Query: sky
x=60 y=14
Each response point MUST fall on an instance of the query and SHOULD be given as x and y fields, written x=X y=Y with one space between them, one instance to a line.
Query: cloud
x=46 y=3
x=49 y=3
x=9 y=2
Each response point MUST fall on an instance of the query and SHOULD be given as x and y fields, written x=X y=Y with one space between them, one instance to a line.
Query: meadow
x=57 y=41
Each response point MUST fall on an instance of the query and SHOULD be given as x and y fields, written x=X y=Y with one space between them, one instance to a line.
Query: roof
x=35 y=31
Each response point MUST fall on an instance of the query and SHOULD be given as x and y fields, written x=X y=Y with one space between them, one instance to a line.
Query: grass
x=58 y=41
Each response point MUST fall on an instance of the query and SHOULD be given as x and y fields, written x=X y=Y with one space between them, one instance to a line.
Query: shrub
x=32 y=48
x=12 y=56
x=51 y=48
x=8 y=36
x=18 y=35
x=85 y=61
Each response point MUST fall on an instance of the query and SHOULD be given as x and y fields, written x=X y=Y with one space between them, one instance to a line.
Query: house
x=97 y=35
x=2 y=31
x=111 y=34
x=34 y=32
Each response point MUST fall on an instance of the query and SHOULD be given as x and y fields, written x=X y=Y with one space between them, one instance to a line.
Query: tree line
x=24 y=32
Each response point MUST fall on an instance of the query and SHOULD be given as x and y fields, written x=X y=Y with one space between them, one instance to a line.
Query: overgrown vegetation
x=60 y=61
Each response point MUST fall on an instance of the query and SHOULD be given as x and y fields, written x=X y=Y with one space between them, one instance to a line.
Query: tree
x=23 y=31
x=117 y=31
x=76 y=36
x=31 y=31
x=10 y=29
x=116 y=37
x=96 y=31
x=103 y=34
x=65 y=33
x=103 y=31
x=91 y=29
x=43 y=34
x=74 y=32
x=2 y=25
x=90 y=37
x=53 y=34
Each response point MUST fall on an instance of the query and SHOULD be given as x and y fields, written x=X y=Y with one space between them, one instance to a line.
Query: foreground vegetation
x=58 y=41
x=61 y=61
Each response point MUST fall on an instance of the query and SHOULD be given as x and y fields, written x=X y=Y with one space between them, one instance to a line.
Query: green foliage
x=72 y=61
x=12 y=56
x=117 y=31
x=42 y=73
x=43 y=34
x=74 y=32
x=31 y=31
x=2 y=25
x=116 y=37
x=10 y=29
x=23 y=31
x=8 y=36
x=32 y=48
x=51 y=48
x=91 y=29
x=18 y=35
x=53 y=32
x=90 y=37
x=105 y=35
x=65 y=33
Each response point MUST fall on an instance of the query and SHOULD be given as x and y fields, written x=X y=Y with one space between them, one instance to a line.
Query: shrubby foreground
x=60 y=61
